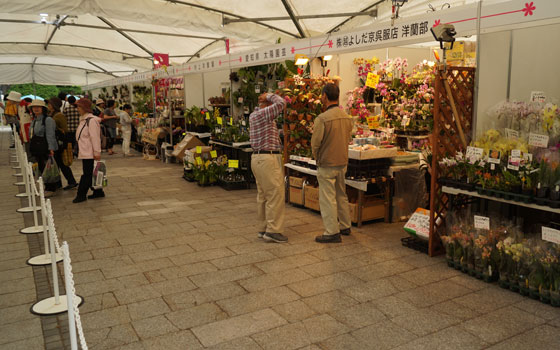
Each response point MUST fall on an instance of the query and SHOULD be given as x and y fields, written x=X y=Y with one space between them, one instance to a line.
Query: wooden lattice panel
x=453 y=112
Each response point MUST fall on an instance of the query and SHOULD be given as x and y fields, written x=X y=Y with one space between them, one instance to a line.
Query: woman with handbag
x=43 y=143
x=88 y=138
x=54 y=106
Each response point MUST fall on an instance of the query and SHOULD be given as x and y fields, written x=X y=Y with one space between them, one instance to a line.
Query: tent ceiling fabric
x=75 y=42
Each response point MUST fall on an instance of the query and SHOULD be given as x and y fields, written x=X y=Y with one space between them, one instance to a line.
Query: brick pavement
x=165 y=264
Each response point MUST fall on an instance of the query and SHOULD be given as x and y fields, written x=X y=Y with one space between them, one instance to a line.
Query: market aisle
x=165 y=264
x=19 y=329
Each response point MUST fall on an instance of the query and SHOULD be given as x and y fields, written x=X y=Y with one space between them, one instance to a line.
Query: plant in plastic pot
x=544 y=176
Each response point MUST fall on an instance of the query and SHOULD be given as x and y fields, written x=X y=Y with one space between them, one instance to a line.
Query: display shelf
x=456 y=191
x=236 y=145
x=373 y=154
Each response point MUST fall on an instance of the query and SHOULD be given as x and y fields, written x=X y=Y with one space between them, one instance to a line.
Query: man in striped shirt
x=267 y=166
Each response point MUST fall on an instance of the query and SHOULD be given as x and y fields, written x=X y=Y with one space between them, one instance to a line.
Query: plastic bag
x=51 y=173
x=99 y=175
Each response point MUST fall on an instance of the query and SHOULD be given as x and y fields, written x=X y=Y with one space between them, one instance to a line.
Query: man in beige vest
x=332 y=133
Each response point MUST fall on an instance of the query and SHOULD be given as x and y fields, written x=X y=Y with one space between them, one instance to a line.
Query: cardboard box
x=311 y=197
x=296 y=181
x=296 y=195
x=371 y=211
x=188 y=142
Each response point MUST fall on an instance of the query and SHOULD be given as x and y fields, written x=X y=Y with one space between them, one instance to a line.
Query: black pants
x=42 y=162
x=64 y=169
x=86 y=179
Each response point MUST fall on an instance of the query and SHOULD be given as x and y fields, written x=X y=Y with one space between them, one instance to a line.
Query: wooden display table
x=368 y=206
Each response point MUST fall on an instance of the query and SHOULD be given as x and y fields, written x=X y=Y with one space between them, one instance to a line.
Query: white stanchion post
x=43 y=259
x=74 y=320
x=19 y=160
x=34 y=192
x=28 y=179
x=23 y=163
x=19 y=157
x=57 y=304
x=70 y=299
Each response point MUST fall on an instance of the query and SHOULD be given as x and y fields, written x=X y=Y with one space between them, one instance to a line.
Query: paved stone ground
x=165 y=264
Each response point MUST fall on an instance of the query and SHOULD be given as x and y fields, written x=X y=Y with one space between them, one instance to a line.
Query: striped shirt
x=262 y=122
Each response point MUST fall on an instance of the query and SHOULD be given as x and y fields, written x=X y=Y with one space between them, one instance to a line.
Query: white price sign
x=481 y=222
x=515 y=154
x=512 y=134
x=420 y=224
x=538 y=140
x=474 y=153
x=550 y=235
x=538 y=96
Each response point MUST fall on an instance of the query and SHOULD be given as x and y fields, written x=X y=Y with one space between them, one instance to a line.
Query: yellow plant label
x=207 y=115
x=231 y=121
x=233 y=163
x=198 y=160
x=219 y=120
x=198 y=149
x=213 y=154
x=372 y=80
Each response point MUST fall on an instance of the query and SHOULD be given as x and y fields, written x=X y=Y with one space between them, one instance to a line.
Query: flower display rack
x=453 y=112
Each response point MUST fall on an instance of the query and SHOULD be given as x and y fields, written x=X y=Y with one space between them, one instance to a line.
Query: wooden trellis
x=453 y=113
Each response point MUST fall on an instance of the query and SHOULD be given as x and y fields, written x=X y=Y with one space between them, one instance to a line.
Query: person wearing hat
x=54 y=105
x=43 y=142
x=88 y=137
x=99 y=108
x=11 y=111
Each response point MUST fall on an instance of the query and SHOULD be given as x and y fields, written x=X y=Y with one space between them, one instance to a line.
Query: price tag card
x=474 y=153
x=257 y=89
x=207 y=115
x=219 y=120
x=198 y=149
x=538 y=96
x=217 y=131
x=481 y=222
x=198 y=160
x=243 y=122
x=538 y=140
x=372 y=123
x=494 y=156
x=512 y=134
x=372 y=80
x=515 y=154
x=528 y=157
x=550 y=235
x=513 y=163
x=233 y=163
x=213 y=154
x=240 y=100
x=230 y=121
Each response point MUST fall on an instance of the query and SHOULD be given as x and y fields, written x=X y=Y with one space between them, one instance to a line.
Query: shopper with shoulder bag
x=89 y=149
x=43 y=144
x=54 y=106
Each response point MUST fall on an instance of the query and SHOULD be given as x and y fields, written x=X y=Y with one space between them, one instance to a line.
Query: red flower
x=529 y=8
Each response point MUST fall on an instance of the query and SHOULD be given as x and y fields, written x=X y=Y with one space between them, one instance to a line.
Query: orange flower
x=487 y=176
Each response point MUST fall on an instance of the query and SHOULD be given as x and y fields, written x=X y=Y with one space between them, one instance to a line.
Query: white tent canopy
x=84 y=42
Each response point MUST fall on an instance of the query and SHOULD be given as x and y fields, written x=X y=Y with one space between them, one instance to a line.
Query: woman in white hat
x=11 y=111
x=43 y=142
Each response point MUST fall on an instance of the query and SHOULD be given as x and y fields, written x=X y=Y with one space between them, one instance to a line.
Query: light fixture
x=327 y=57
x=44 y=14
x=301 y=59
x=156 y=62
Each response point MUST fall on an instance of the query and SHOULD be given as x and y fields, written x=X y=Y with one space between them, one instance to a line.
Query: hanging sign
x=207 y=115
x=233 y=163
x=538 y=140
x=198 y=149
x=213 y=154
x=219 y=120
x=372 y=80
x=481 y=222
x=198 y=160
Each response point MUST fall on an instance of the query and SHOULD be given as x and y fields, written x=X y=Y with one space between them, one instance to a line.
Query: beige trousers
x=126 y=134
x=269 y=175
x=333 y=200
